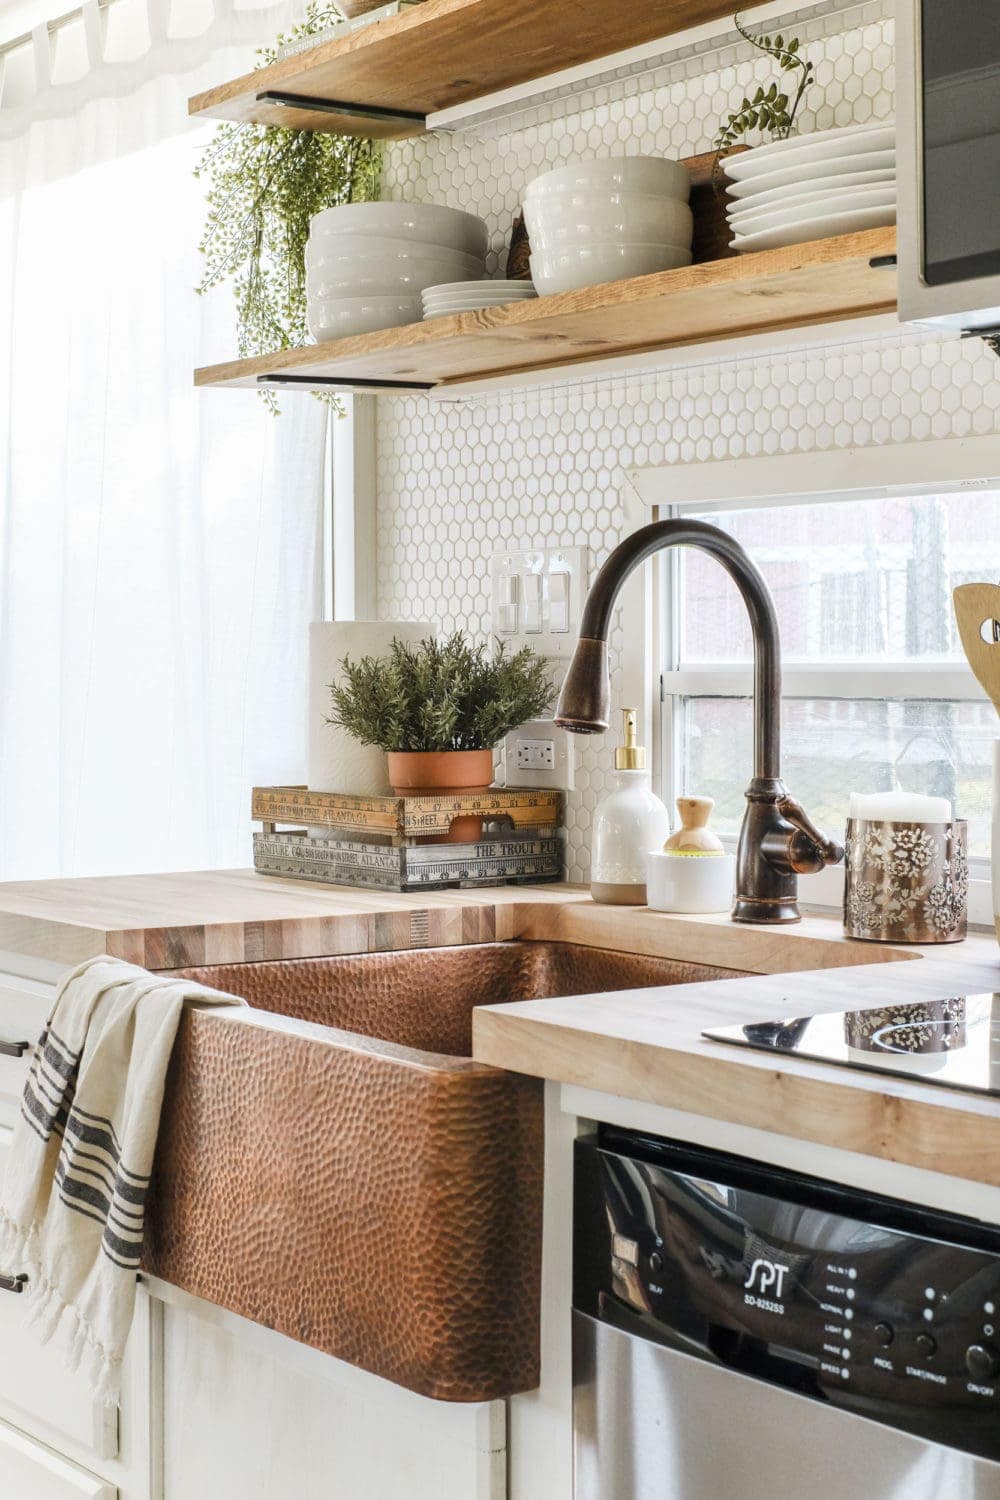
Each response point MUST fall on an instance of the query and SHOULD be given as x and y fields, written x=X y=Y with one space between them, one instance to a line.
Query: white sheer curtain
x=159 y=548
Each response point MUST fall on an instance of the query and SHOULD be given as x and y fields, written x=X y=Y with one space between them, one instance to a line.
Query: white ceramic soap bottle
x=629 y=822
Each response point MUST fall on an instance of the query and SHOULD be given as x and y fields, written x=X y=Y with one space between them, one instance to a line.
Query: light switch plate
x=537 y=598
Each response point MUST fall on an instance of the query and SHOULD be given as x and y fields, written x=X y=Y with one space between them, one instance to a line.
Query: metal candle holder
x=906 y=882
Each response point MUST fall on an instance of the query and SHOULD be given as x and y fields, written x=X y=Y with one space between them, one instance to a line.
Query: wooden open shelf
x=788 y=288
x=445 y=52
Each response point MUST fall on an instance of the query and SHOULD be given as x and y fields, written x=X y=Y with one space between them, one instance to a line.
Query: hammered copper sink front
x=333 y=1164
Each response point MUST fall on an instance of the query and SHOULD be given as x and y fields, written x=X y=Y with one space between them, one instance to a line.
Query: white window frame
x=906 y=469
x=349 y=540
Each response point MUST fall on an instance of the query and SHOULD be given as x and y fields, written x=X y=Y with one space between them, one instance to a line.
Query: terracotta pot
x=423 y=773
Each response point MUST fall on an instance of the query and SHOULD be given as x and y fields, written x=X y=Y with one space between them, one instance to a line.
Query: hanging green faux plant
x=264 y=185
x=770 y=110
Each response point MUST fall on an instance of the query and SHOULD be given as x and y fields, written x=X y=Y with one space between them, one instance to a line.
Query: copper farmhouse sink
x=333 y=1164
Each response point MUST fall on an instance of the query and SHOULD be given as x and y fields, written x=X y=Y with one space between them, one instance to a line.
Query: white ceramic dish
x=637 y=174
x=592 y=265
x=341 y=317
x=353 y=277
x=386 y=247
x=690 y=882
x=485 y=299
x=812 y=205
x=831 y=189
x=624 y=217
x=520 y=288
x=837 y=169
x=821 y=228
x=422 y=223
x=451 y=312
x=823 y=145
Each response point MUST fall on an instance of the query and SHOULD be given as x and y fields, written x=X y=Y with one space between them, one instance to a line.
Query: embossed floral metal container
x=906 y=882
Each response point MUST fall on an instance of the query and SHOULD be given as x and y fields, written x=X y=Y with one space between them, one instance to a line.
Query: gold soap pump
x=629 y=823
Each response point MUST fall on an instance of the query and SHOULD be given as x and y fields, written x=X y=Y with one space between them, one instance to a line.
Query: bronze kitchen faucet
x=777 y=842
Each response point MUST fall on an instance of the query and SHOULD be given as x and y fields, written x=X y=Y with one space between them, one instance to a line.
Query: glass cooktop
x=954 y=1042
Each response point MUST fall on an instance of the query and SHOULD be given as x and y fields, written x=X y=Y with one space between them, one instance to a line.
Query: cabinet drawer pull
x=13 y=1283
x=14 y=1049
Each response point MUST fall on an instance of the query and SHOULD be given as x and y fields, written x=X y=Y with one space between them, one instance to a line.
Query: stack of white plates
x=811 y=187
x=595 y=221
x=469 y=296
x=367 y=263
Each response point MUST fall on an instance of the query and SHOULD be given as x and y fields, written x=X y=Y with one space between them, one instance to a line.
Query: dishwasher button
x=982 y=1361
x=884 y=1333
x=926 y=1346
x=656 y=1263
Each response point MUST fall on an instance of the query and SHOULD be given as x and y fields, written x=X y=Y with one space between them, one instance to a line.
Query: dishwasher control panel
x=878 y=1307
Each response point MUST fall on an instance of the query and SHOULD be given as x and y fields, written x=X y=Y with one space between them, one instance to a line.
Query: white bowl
x=638 y=174
x=590 y=265
x=340 y=317
x=422 y=223
x=644 y=220
x=690 y=882
x=324 y=248
x=350 y=276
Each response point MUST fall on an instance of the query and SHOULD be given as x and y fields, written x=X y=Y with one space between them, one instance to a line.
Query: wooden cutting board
x=977 y=610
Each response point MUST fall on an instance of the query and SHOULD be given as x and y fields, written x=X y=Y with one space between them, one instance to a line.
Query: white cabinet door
x=28 y=1471
x=251 y=1415
x=24 y=1006
x=36 y=1390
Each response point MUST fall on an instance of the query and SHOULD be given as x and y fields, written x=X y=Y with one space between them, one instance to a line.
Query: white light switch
x=532 y=585
x=558 y=603
x=506 y=604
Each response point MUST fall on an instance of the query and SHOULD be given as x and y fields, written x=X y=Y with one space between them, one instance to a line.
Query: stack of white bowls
x=367 y=263
x=596 y=221
x=812 y=187
x=470 y=296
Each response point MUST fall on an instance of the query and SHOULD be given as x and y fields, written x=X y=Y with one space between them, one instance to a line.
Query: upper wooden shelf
x=776 y=289
x=441 y=53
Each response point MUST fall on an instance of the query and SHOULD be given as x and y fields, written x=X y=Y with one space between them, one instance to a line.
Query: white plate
x=836 y=169
x=443 y=302
x=829 y=187
x=820 y=146
x=810 y=206
x=821 y=228
x=521 y=288
x=451 y=312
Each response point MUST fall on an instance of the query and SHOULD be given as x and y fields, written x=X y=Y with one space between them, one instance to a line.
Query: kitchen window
x=876 y=690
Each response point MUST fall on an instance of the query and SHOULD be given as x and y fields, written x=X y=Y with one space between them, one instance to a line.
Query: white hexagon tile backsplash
x=545 y=466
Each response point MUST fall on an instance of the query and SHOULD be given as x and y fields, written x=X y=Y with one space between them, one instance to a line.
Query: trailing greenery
x=440 y=695
x=769 y=110
x=264 y=185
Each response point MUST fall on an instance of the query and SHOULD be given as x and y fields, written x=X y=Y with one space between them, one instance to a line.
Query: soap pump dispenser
x=628 y=823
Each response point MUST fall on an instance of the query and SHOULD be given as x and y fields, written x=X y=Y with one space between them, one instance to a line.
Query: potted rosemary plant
x=438 y=708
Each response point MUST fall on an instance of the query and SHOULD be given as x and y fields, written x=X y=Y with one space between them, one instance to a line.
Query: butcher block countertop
x=641 y=1045
x=646 y=1045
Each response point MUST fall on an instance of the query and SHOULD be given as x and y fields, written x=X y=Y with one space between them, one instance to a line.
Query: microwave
x=948 y=163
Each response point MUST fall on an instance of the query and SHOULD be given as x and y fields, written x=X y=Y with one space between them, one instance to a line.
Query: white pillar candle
x=899 y=807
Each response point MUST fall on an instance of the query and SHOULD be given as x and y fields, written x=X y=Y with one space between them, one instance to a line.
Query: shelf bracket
x=342 y=383
x=338 y=107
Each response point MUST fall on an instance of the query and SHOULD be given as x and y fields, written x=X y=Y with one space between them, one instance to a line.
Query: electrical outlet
x=534 y=755
x=539 y=754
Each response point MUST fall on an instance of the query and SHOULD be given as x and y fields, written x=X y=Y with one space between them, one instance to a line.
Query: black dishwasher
x=741 y=1332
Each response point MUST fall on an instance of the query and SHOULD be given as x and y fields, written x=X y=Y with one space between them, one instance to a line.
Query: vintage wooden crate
x=504 y=859
x=402 y=820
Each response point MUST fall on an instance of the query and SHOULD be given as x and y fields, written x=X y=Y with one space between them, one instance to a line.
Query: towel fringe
x=48 y=1314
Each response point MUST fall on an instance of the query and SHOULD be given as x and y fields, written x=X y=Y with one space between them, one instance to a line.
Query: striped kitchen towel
x=73 y=1203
